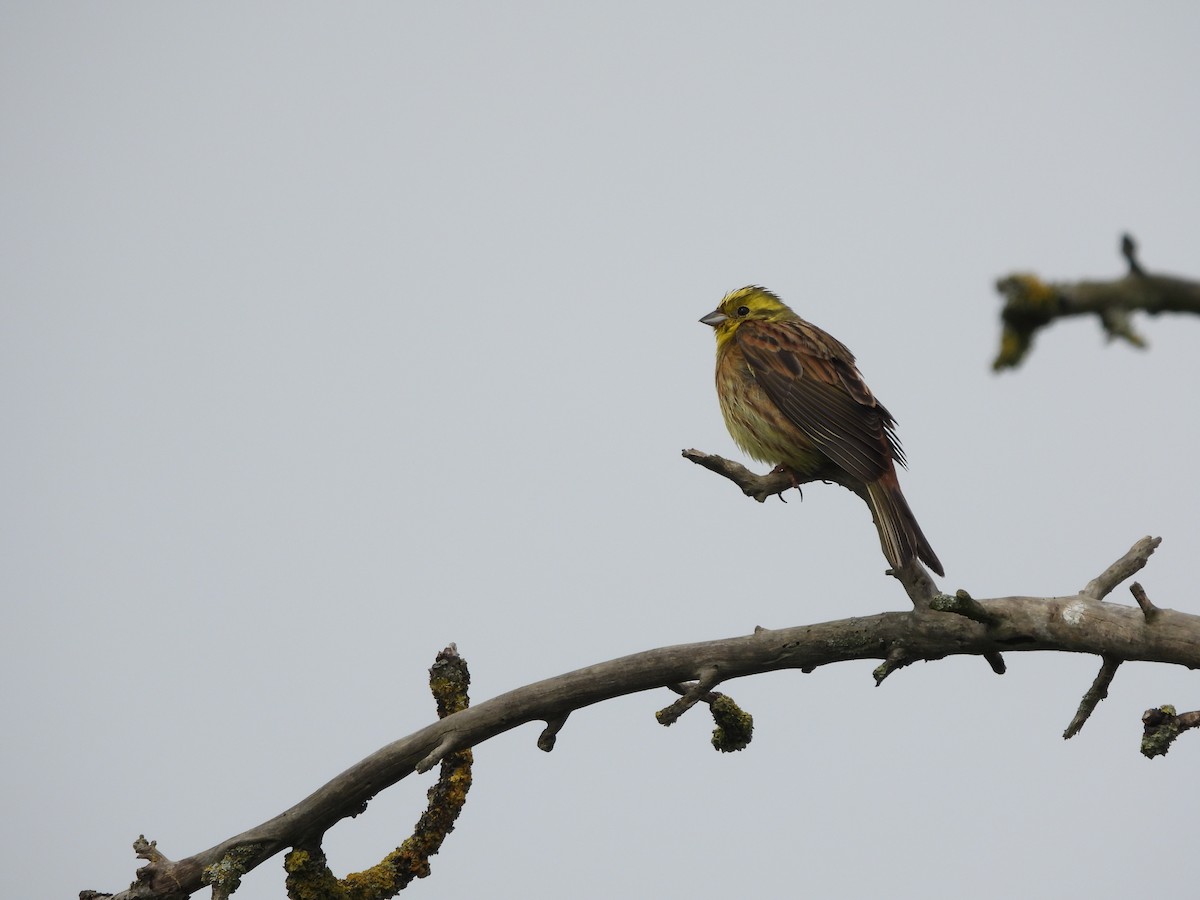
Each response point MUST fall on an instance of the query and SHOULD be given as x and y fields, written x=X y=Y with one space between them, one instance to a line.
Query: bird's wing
x=812 y=378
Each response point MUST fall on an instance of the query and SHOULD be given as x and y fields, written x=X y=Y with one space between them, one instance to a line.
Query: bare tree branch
x=1097 y=692
x=689 y=697
x=1031 y=304
x=1075 y=624
x=916 y=580
x=1149 y=610
x=1133 y=561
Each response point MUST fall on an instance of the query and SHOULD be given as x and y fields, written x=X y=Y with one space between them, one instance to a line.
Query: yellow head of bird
x=751 y=303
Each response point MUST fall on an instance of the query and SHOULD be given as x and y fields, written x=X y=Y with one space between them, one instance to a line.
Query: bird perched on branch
x=792 y=396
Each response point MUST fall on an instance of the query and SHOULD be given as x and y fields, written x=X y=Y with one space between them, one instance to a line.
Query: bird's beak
x=714 y=318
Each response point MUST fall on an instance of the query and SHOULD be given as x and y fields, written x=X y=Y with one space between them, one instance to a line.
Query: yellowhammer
x=792 y=396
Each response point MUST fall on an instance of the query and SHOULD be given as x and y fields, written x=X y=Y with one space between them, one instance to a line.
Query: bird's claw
x=781 y=469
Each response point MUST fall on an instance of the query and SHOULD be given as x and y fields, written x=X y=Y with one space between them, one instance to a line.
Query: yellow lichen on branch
x=308 y=876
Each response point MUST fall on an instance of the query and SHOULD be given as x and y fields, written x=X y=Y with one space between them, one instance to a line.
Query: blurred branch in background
x=1031 y=304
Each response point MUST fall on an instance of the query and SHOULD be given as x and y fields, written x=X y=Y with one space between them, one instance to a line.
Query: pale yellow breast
x=753 y=420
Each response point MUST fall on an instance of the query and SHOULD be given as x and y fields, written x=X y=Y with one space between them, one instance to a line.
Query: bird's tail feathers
x=899 y=533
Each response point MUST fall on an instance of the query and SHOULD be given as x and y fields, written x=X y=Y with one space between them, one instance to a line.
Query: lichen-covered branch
x=1031 y=304
x=1078 y=623
x=1162 y=725
x=309 y=878
x=735 y=726
x=963 y=604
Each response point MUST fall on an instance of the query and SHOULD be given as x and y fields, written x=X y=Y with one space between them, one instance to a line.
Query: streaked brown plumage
x=793 y=397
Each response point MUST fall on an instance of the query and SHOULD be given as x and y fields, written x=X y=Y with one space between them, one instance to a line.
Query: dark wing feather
x=812 y=378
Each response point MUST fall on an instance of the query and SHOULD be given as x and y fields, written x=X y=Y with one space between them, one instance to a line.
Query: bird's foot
x=781 y=469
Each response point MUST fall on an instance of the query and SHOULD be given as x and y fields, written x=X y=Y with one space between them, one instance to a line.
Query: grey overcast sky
x=335 y=333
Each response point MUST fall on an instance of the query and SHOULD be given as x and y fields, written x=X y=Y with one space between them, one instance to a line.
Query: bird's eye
x=743 y=310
